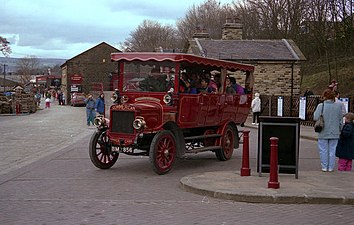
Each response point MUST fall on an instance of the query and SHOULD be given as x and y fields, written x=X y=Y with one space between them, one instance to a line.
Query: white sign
x=345 y=102
x=74 y=88
x=280 y=106
x=302 y=108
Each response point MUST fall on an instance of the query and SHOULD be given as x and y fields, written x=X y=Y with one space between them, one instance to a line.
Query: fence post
x=270 y=105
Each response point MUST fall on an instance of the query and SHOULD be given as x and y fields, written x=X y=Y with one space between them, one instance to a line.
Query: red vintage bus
x=170 y=104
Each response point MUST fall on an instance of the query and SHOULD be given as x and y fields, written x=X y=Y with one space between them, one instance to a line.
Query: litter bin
x=287 y=129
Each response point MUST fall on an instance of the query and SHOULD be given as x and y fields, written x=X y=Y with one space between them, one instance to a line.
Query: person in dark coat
x=345 y=146
x=100 y=104
x=308 y=92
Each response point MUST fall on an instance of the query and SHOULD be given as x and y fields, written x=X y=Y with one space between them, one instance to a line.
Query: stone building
x=277 y=62
x=90 y=71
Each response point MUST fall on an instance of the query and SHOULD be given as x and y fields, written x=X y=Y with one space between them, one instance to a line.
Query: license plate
x=126 y=150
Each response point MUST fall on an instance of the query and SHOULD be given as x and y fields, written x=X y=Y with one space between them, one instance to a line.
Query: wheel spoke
x=227 y=142
x=163 y=152
x=100 y=151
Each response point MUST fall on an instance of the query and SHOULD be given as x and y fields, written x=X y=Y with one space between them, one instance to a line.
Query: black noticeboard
x=287 y=130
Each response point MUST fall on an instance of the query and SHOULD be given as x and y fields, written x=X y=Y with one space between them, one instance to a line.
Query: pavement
x=312 y=187
x=43 y=137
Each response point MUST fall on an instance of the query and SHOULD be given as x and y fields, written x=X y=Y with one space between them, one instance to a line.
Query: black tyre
x=227 y=144
x=162 y=152
x=101 y=151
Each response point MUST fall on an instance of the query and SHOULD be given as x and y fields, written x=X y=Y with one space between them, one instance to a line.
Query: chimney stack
x=201 y=33
x=232 y=29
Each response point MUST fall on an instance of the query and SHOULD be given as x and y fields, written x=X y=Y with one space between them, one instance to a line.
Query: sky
x=63 y=29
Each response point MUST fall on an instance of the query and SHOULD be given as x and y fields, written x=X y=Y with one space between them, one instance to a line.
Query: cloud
x=63 y=29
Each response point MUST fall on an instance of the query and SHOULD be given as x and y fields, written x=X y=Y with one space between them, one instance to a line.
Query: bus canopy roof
x=178 y=57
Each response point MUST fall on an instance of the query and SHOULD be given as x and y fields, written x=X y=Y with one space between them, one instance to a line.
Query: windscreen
x=148 y=76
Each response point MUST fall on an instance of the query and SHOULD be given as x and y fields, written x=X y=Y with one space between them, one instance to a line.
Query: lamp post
x=4 y=76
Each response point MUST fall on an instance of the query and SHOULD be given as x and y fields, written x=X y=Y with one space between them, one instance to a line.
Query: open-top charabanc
x=170 y=104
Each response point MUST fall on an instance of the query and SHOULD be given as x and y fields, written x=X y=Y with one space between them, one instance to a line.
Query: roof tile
x=250 y=50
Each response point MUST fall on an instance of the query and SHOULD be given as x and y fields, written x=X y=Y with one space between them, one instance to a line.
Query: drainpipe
x=292 y=89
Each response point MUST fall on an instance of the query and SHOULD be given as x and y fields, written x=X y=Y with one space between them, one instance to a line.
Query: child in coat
x=345 y=146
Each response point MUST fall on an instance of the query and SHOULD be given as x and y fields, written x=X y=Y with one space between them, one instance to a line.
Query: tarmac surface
x=46 y=177
x=311 y=187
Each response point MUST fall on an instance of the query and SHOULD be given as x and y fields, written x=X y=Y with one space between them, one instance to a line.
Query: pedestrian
x=47 y=99
x=63 y=98
x=345 y=146
x=256 y=108
x=100 y=104
x=90 y=110
x=38 y=98
x=333 y=85
x=329 y=135
x=308 y=92
x=60 y=97
x=54 y=95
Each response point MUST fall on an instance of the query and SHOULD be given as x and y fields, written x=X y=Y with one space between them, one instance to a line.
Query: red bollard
x=18 y=108
x=245 y=170
x=273 y=176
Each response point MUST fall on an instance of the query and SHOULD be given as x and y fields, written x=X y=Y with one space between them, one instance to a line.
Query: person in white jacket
x=256 y=108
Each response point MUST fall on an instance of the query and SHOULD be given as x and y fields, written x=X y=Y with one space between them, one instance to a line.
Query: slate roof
x=251 y=50
x=84 y=52
x=8 y=83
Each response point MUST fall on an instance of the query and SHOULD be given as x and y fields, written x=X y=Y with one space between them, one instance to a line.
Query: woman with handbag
x=329 y=135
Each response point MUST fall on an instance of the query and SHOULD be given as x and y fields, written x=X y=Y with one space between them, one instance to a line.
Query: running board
x=202 y=137
x=205 y=149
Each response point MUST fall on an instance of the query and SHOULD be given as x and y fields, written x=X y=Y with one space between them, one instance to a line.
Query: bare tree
x=27 y=66
x=4 y=46
x=210 y=15
x=250 y=17
x=342 y=24
x=151 y=35
x=270 y=19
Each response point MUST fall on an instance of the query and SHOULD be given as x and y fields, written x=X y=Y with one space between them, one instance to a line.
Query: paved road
x=28 y=137
x=61 y=186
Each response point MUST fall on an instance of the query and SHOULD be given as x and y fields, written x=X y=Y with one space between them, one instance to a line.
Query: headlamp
x=139 y=123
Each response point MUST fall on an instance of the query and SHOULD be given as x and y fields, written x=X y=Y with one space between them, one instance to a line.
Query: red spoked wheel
x=162 y=152
x=227 y=144
x=100 y=150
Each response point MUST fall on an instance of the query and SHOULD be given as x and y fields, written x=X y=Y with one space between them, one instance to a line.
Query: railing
x=291 y=106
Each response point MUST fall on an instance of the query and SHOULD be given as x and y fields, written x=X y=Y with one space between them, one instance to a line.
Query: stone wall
x=274 y=78
x=94 y=65
x=271 y=78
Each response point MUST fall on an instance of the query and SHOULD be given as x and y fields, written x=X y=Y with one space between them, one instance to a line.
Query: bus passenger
x=182 y=86
x=213 y=85
x=190 y=89
x=229 y=88
x=205 y=86
x=238 y=88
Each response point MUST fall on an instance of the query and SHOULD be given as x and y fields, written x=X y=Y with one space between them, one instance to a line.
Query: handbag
x=319 y=124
